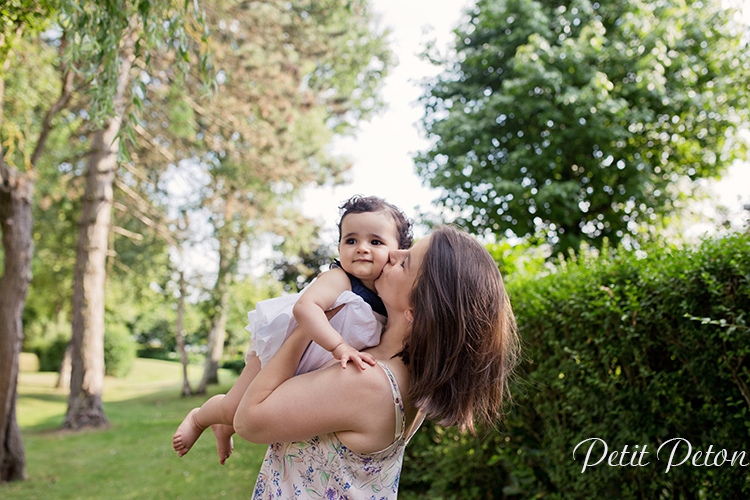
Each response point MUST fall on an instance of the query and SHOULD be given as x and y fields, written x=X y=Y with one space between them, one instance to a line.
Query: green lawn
x=134 y=457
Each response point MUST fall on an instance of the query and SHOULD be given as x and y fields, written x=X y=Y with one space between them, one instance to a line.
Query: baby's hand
x=345 y=352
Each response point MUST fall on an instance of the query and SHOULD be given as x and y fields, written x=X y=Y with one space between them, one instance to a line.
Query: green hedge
x=631 y=349
x=48 y=339
x=119 y=347
x=51 y=353
x=119 y=350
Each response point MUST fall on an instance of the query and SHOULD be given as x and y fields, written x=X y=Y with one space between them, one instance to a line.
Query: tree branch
x=167 y=154
x=62 y=101
x=128 y=234
x=157 y=227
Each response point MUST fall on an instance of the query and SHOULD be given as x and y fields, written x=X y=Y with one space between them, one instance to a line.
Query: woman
x=446 y=354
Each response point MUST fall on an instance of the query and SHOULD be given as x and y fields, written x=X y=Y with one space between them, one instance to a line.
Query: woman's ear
x=409 y=315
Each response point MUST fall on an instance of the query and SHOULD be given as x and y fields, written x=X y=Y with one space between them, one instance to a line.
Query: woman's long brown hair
x=463 y=344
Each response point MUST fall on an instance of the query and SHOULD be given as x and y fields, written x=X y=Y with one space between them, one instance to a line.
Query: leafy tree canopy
x=16 y=16
x=573 y=120
x=99 y=34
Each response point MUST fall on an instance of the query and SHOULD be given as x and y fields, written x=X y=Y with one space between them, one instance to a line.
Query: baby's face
x=366 y=239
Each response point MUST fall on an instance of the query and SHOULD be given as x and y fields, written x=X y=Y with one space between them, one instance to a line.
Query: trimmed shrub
x=236 y=365
x=48 y=339
x=119 y=350
x=632 y=349
x=28 y=362
x=51 y=352
x=145 y=351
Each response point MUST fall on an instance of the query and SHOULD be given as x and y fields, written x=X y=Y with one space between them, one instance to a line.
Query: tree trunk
x=216 y=338
x=180 y=338
x=228 y=252
x=63 y=376
x=16 y=222
x=87 y=353
x=16 y=192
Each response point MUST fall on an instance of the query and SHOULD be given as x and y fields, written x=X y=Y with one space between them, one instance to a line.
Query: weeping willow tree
x=92 y=48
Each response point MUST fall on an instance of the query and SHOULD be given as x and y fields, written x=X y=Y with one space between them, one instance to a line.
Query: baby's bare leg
x=223 y=431
x=224 y=443
x=217 y=413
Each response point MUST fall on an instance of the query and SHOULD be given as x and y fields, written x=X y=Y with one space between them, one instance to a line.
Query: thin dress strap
x=398 y=404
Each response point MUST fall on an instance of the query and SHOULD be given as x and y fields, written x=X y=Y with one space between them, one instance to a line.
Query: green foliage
x=631 y=348
x=29 y=89
x=236 y=365
x=119 y=350
x=242 y=298
x=352 y=58
x=303 y=258
x=442 y=464
x=56 y=212
x=20 y=16
x=572 y=121
x=181 y=116
x=48 y=340
x=521 y=258
x=99 y=34
x=135 y=301
x=52 y=353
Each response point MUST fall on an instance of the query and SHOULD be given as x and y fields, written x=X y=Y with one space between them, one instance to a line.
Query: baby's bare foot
x=187 y=433
x=224 y=442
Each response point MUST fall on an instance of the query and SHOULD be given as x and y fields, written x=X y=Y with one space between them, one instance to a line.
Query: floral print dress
x=324 y=468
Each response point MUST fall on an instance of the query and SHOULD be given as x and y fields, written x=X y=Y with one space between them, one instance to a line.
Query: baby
x=369 y=229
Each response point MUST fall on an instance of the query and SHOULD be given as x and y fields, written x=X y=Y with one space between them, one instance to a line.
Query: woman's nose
x=396 y=256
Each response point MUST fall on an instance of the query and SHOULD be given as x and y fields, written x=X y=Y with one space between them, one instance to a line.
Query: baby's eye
x=376 y=242
x=350 y=241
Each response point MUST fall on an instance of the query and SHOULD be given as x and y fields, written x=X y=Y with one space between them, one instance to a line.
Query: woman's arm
x=279 y=407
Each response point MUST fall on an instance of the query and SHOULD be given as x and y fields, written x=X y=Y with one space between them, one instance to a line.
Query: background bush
x=635 y=349
x=235 y=364
x=119 y=350
x=52 y=352
x=48 y=340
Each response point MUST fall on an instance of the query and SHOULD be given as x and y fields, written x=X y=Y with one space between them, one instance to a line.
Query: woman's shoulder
x=390 y=379
x=373 y=385
x=400 y=373
x=371 y=399
x=370 y=379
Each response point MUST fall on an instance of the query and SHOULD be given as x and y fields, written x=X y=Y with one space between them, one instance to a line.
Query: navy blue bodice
x=360 y=289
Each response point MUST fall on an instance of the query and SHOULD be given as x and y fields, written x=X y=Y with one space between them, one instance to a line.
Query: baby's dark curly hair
x=358 y=204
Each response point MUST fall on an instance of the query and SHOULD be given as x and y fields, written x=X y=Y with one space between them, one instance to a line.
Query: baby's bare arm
x=310 y=309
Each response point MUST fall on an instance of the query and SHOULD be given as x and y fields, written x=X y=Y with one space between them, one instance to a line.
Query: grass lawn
x=134 y=457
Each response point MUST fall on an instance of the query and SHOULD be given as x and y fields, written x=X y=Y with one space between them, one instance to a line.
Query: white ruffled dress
x=272 y=321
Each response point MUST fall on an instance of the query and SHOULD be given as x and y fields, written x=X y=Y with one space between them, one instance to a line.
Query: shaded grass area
x=133 y=458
